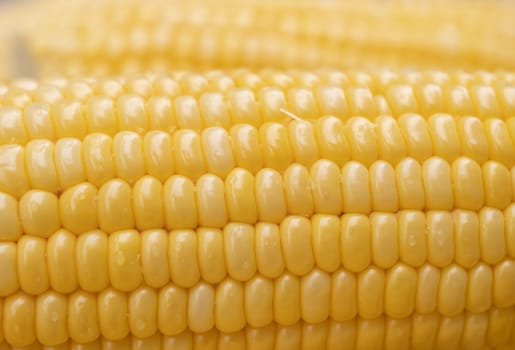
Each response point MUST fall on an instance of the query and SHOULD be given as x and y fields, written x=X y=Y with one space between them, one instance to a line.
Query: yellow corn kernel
x=68 y=119
x=444 y=135
x=485 y=102
x=83 y=322
x=410 y=188
x=78 y=209
x=361 y=102
x=500 y=144
x=180 y=203
x=187 y=151
x=427 y=289
x=100 y=115
x=491 y=235
x=440 y=238
x=217 y=151
x=128 y=158
x=370 y=289
x=131 y=113
x=158 y=155
x=143 y=312
x=229 y=306
x=355 y=189
x=39 y=164
x=258 y=303
x=9 y=277
x=182 y=252
x=452 y=290
x=91 y=259
x=362 y=138
x=112 y=314
x=260 y=338
x=392 y=147
x=287 y=299
x=448 y=336
x=412 y=240
x=12 y=127
x=246 y=147
x=243 y=107
x=370 y=333
x=39 y=213
x=160 y=113
x=503 y=284
x=497 y=185
x=299 y=197
x=466 y=238
x=500 y=323
x=325 y=187
x=400 y=291
x=296 y=245
x=467 y=184
x=270 y=199
x=473 y=139
x=51 y=323
x=436 y=177
x=213 y=109
x=115 y=210
x=123 y=260
x=19 y=314
x=424 y=330
x=418 y=139
x=355 y=242
x=384 y=241
x=269 y=256
x=325 y=232
x=13 y=176
x=303 y=142
x=302 y=103
x=201 y=307
x=383 y=187
x=38 y=122
x=211 y=207
x=154 y=245
x=331 y=140
x=474 y=331
x=61 y=260
x=147 y=202
x=479 y=291
x=315 y=289
x=239 y=251
x=31 y=264
x=276 y=147
x=68 y=162
x=172 y=309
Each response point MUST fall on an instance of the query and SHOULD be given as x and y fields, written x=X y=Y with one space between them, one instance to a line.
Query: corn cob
x=99 y=38
x=285 y=216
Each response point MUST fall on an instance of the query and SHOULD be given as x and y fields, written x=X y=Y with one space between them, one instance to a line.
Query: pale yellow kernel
x=412 y=237
x=98 y=158
x=275 y=145
x=452 y=290
x=217 y=151
x=383 y=187
x=214 y=110
x=479 y=290
x=91 y=259
x=38 y=122
x=326 y=241
x=187 y=113
x=400 y=291
x=314 y=335
x=500 y=144
x=370 y=292
x=114 y=206
x=260 y=338
x=68 y=119
x=437 y=180
x=158 y=155
x=509 y=227
x=473 y=139
x=243 y=107
x=384 y=241
x=302 y=103
x=39 y=213
x=467 y=184
x=32 y=265
x=382 y=106
x=147 y=203
x=485 y=102
x=474 y=331
x=13 y=177
x=101 y=116
x=315 y=294
x=355 y=188
x=188 y=155
x=269 y=256
x=296 y=243
x=500 y=325
x=68 y=162
x=182 y=258
x=172 y=309
x=297 y=190
x=19 y=319
x=497 y=184
x=423 y=331
x=415 y=131
x=401 y=99
x=51 y=327
x=239 y=251
x=9 y=277
x=12 y=128
x=506 y=97
x=504 y=282
x=343 y=296
x=427 y=289
x=142 y=312
x=444 y=135
x=430 y=99
x=331 y=140
x=211 y=258
x=239 y=193
x=341 y=335
x=210 y=196
x=166 y=86
x=272 y=101
x=160 y=114
x=259 y=299
x=287 y=299
x=466 y=238
x=325 y=187
x=129 y=163
x=303 y=142
x=362 y=136
x=397 y=333
x=229 y=306
x=78 y=209
x=246 y=147
x=193 y=84
x=370 y=333
x=123 y=260
x=458 y=101
x=83 y=322
x=154 y=244
x=449 y=333
x=131 y=113
x=491 y=235
x=271 y=202
x=179 y=203
x=410 y=188
x=391 y=144
x=440 y=238
x=331 y=101
x=355 y=241
x=361 y=102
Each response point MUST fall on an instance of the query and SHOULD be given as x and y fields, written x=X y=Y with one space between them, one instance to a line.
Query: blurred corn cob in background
x=154 y=195
x=113 y=37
